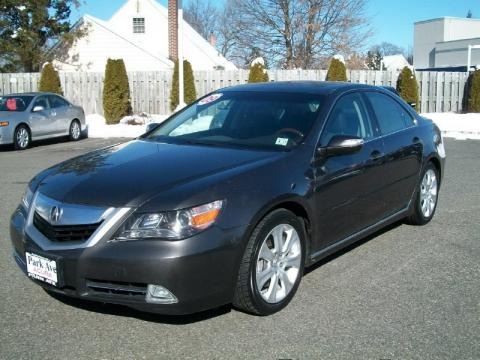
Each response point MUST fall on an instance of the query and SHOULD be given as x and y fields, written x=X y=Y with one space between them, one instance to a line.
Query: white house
x=139 y=33
x=394 y=62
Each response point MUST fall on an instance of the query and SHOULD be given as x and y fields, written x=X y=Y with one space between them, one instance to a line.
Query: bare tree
x=386 y=49
x=301 y=33
x=202 y=15
x=228 y=32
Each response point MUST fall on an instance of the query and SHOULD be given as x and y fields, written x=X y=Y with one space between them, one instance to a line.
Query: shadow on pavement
x=120 y=310
x=351 y=247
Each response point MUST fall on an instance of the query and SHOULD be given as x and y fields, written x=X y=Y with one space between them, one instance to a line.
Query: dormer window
x=138 y=25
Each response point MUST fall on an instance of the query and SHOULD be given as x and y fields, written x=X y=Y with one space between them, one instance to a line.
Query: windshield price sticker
x=210 y=99
x=281 y=141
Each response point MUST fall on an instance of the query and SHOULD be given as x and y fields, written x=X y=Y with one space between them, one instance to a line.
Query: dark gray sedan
x=36 y=116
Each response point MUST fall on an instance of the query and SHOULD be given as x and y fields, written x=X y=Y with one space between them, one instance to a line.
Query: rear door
x=347 y=187
x=42 y=122
x=61 y=110
x=403 y=149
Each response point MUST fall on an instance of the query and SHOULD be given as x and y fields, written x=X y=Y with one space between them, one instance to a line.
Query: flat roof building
x=443 y=42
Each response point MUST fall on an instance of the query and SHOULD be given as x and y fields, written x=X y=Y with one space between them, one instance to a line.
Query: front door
x=347 y=186
x=42 y=123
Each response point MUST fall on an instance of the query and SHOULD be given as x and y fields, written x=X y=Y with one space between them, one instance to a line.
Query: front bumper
x=200 y=271
x=6 y=135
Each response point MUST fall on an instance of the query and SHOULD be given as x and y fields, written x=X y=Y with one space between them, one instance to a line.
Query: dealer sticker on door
x=41 y=268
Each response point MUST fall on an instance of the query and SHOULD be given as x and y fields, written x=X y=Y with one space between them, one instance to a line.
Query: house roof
x=147 y=50
x=91 y=19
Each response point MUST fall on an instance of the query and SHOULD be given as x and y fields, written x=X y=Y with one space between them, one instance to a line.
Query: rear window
x=15 y=103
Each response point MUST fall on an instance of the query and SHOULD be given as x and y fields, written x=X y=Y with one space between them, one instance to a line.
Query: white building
x=138 y=33
x=394 y=62
x=443 y=42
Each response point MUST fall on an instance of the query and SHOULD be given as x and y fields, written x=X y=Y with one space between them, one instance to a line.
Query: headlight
x=170 y=224
x=27 y=198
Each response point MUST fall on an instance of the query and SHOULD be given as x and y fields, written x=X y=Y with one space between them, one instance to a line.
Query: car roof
x=310 y=87
x=32 y=93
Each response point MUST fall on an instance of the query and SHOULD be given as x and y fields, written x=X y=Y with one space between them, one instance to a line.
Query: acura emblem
x=55 y=213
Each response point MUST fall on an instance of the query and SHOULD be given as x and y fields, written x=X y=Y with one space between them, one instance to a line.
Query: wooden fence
x=439 y=91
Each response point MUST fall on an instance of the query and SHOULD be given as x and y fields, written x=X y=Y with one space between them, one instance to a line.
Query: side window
x=390 y=115
x=57 y=101
x=348 y=117
x=41 y=101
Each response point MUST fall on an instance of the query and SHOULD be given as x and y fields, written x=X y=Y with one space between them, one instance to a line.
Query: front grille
x=64 y=233
x=133 y=291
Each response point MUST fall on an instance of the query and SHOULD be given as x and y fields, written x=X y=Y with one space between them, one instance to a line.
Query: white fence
x=439 y=91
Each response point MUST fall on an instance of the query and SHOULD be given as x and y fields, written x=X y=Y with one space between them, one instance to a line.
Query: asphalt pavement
x=405 y=293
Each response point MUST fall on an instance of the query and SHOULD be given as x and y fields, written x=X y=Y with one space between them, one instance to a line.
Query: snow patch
x=458 y=126
x=339 y=58
x=97 y=127
x=259 y=60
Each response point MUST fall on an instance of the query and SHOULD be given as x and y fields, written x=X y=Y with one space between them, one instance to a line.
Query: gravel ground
x=408 y=292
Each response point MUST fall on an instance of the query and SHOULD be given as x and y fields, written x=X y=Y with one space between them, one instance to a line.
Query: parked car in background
x=230 y=199
x=35 y=116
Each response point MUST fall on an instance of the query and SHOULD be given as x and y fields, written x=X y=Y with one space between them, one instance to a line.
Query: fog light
x=159 y=295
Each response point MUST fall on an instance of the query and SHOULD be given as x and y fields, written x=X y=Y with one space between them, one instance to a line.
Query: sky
x=391 y=20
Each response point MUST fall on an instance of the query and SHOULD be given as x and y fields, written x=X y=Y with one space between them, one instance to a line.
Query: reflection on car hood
x=129 y=174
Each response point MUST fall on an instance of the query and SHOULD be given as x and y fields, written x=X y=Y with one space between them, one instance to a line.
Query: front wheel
x=75 y=130
x=21 y=138
x=272 y=265
x=426 y=197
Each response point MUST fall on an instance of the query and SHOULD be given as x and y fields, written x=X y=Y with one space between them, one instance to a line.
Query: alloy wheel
x=428 y=193
x=23 y=138
x=278 y=263
x=75 y=130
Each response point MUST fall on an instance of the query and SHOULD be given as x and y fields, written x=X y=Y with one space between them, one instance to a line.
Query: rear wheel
x=272 y=265
x=426 y=197
x=21 y=137
x=75 y=130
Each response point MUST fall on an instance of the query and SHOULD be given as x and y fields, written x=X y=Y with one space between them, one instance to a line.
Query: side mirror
x=341 y=145
x=151 y=126
x=38 y=108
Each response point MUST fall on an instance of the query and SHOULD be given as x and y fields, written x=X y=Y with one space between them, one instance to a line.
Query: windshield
x=246 y=119
x=15 y=103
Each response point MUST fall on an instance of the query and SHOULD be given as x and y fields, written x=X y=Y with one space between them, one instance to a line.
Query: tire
x=75 y=132
x=426 y=197
x=268 y=280
x=22 y=137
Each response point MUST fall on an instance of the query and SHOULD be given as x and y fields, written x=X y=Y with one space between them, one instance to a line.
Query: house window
x=138 y=25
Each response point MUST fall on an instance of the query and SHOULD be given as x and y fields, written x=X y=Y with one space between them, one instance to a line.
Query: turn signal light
x=205 y=215
x=3 y=123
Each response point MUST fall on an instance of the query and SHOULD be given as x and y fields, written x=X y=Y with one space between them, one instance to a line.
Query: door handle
x=376 y=155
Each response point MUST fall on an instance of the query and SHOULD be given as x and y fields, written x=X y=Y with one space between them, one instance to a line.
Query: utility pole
x=181 y=97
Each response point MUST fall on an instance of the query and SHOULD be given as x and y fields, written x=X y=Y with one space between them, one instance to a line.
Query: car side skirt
x=322 y=253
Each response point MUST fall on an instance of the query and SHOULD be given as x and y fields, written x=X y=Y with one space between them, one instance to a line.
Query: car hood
x=6 y=115
x=127 y=175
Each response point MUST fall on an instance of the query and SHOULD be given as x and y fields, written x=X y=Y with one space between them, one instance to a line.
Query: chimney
x=172 y=29
x=212 y=39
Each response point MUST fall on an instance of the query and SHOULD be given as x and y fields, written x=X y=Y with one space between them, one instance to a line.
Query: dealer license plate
x=41 y=268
